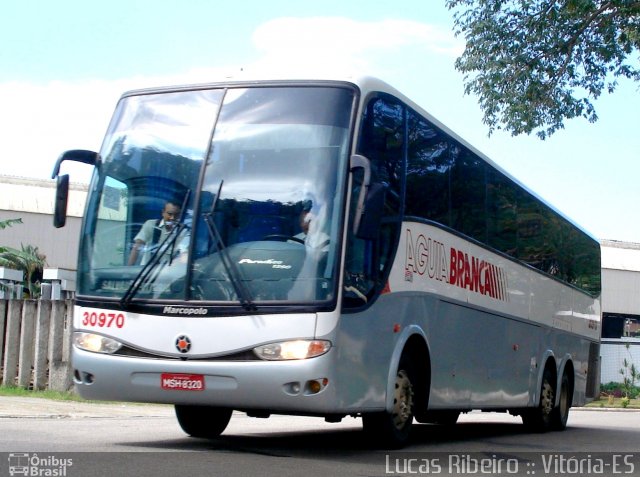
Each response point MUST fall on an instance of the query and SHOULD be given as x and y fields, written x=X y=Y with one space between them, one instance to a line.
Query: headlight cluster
x=288 y=350
x=95 y=343
x=280 y=351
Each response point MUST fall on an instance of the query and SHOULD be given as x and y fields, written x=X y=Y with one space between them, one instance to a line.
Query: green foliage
x=618 y=390
x=29 y=260
x=16 y=391
x=630 y=375
x=8 y=223
x=535 y=63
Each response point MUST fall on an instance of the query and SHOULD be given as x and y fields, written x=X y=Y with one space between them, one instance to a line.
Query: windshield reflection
x=280 y=154
x=274 y=172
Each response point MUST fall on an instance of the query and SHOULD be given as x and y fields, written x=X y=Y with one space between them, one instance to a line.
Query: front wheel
x=392 y=429
x=203 y=421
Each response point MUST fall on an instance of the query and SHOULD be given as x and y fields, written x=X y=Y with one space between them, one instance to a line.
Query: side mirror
x=60 y=207
x=62 y=182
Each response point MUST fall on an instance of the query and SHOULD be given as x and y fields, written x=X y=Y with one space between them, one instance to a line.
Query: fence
x=615 y=353
x=35 y=342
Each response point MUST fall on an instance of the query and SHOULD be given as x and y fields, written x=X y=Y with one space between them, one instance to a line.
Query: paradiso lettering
x=428 y=257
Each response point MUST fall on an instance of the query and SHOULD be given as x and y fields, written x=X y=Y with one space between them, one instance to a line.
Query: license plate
x=182 y=382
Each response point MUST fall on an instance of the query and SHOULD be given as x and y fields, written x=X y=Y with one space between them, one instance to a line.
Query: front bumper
x=268 y=386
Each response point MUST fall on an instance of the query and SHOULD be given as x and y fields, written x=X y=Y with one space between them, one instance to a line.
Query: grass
x=615 y=403
x=16 y=391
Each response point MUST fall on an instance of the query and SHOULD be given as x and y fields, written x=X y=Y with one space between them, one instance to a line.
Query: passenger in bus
x=310 y=235
x=153 y=232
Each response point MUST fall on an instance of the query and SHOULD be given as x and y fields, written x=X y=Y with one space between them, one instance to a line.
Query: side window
x=502 y=213
x=382 y=141
x=587 y=271
x=536 y=244
x=468 y=194
x=446 y=182
x=114 y=231
x=428 y=172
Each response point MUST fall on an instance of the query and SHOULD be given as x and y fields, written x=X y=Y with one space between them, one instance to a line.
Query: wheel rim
x=564 y=402
x=402 y=400
x=547 y=399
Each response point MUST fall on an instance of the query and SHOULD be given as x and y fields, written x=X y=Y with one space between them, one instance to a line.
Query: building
x=32 y=201
x=620 y=309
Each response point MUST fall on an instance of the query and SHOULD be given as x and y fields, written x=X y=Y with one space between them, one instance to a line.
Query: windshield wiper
x=168 y=243
x=235 y=277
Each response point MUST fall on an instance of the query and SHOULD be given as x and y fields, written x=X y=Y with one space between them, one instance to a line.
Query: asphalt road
x=89 y=439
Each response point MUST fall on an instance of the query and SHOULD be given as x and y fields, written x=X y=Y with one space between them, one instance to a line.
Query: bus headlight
x=96 y=343
x=298 y=349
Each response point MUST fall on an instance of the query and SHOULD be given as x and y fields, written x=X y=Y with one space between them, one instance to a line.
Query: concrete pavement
x=32 y=407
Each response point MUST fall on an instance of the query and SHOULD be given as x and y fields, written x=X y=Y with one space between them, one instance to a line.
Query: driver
x=310 y=234
x=154 y=232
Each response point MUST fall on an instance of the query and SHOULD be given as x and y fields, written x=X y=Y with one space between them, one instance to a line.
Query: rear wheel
x=392 y=429
x=540 y=418
x=560 y=414
x=203 y=421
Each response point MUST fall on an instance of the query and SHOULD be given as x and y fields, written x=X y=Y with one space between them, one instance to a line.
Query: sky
x=64 y=64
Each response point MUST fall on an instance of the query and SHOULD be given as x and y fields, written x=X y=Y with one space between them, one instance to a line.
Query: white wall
x=613 y=353
x=32 y=201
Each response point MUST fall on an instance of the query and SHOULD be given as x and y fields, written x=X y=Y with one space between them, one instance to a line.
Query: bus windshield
x=219 y=195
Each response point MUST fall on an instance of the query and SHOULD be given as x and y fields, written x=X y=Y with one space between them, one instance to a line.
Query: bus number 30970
x=103 y=320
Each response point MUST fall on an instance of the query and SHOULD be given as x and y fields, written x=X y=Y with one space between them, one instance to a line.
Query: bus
x=333 y=250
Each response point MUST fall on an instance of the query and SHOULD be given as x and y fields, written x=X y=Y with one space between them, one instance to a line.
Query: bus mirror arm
x=361 y=162
x=76 y=155
x=370 y=204
x=62 y=182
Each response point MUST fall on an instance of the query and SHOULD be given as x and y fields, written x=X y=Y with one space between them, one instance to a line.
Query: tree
x=535 y=63
x=29 y=260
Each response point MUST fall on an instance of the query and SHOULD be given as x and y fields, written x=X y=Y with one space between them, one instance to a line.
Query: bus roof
x=366 y=84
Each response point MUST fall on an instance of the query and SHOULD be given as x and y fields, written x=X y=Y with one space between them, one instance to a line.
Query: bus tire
x=540 y=418
x=203 y=421
x=560 y=413
x=393 y=429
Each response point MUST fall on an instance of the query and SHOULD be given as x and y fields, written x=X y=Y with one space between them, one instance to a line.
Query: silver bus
x=323 y=247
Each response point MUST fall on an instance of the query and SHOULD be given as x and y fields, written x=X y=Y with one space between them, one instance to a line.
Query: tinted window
x=502 y=216
x=468 y=194
x=428 y=167
x=382 y=141
x=449 y=184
